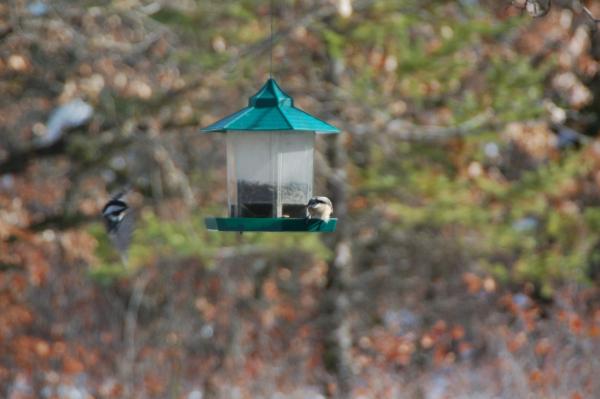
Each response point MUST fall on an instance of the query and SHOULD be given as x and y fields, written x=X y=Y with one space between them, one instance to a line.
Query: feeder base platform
x=270 y=224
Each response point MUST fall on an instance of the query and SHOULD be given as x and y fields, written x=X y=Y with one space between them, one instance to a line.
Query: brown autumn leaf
x=18 y=62
x=154 y=384
x=543 y=347
x=208 y=310
x=42 y=348
x=457 y=332
x=287 y=312
x=489 y=284
x=517 y=342
x=359 y=203
x=270 y=290
x=440 y=355
x=473 y=282
x=594 y=331
x=78 y=245
x=439 y=327
x=406 y=348
x=72 y=365
x=576 y=324
x=403 y=359
x=427 y=341
x=59 y=348
x=536 y=377
x=464 y=348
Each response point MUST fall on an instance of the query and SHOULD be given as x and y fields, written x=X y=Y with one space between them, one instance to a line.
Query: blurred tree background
x=466 y=180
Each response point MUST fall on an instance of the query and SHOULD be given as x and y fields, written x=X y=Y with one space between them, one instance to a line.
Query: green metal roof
x=271 y=109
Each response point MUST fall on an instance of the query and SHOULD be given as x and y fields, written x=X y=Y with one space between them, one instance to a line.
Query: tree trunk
x=337 y=336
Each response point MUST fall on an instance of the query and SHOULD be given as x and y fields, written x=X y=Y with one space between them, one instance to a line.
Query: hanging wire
x=271 y=40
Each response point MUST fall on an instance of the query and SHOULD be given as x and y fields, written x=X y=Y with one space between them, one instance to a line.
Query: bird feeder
x=270 y=151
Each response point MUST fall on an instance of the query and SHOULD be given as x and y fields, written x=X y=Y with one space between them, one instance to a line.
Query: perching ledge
x=270 y=224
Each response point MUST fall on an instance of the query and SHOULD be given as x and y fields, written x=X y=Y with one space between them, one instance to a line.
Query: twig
x=575 y=5
x=407 y=132
x=20 y=159
x=173 y=174
x=5 y=31
x=131 y=316
x=588 y=13
x=62 y=221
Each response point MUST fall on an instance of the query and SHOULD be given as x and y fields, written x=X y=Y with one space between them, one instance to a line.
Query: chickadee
x=319 y=208
x=119 y=222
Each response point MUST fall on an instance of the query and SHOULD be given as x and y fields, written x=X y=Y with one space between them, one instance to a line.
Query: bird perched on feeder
x=319 y=208
x=119 y=223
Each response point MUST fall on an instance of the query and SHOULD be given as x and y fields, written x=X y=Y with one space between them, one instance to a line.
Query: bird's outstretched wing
x=122 y=235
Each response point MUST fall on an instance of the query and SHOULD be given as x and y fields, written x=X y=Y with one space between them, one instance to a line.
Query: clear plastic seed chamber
x=269 y=174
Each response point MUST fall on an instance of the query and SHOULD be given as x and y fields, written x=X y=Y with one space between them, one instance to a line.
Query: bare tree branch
x=540 y=8
x=535 y=8
x=127 y=369
x=588 y=13
x=405 y=131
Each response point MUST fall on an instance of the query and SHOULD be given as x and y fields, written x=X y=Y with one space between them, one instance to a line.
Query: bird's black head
x=314 y=201
x=113 y=213
x=114 y=207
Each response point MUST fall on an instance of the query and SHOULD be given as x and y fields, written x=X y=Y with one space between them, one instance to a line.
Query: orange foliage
x=71 y=365
x=543 y=347
x=473 y=282
x=154 y=384
x=536 y=377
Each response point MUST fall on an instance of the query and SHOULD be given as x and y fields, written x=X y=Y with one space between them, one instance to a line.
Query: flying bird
x=319 y=208
x=119 y=223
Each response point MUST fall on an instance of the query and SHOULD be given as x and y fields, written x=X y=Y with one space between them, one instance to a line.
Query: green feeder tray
x=270 y=224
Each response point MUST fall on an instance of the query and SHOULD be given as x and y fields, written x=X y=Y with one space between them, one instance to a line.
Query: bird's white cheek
x=116 y=218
